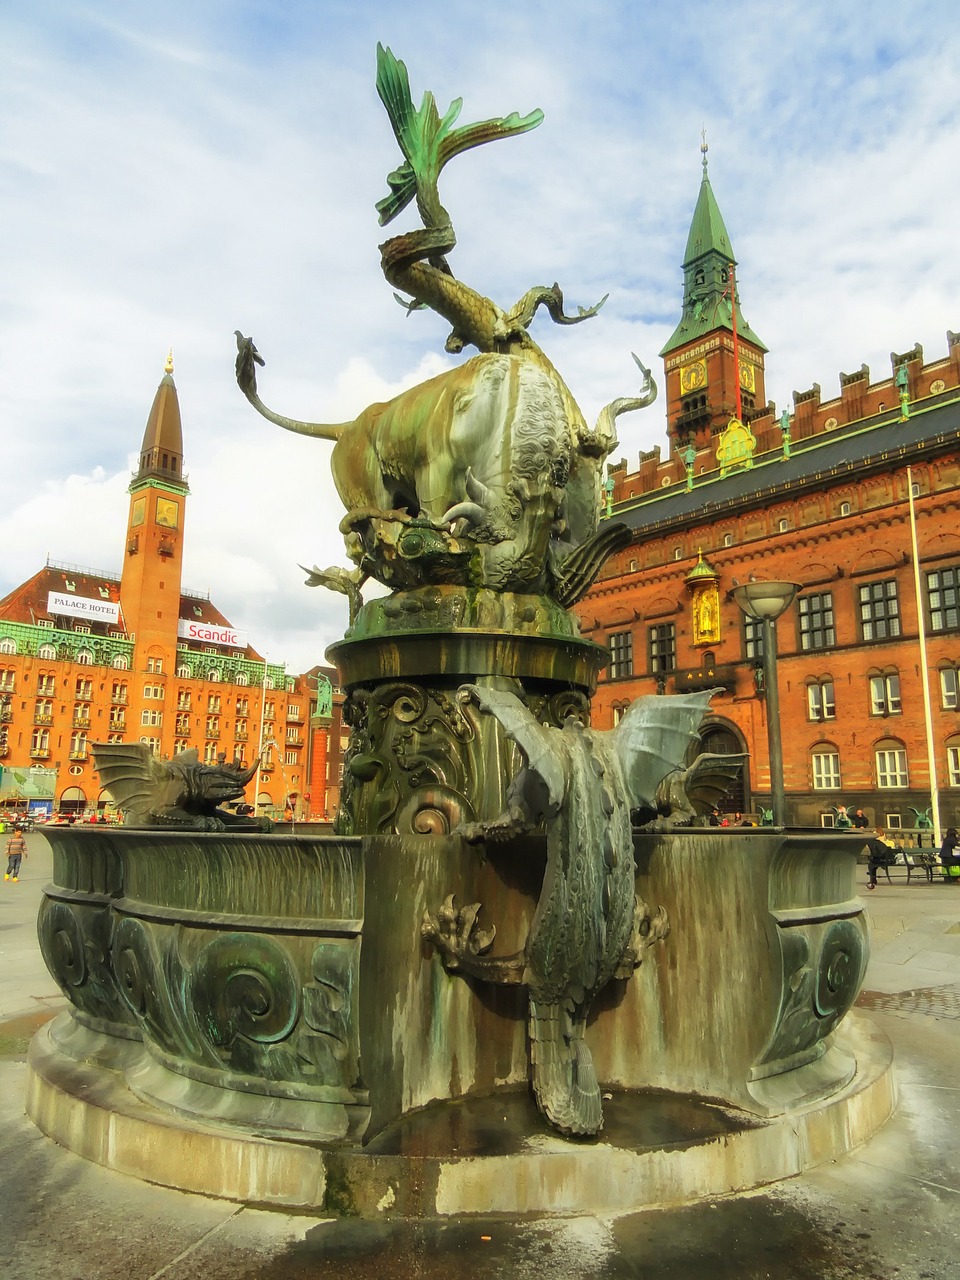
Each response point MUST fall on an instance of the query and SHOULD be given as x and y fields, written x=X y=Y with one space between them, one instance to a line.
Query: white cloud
x=165 y=182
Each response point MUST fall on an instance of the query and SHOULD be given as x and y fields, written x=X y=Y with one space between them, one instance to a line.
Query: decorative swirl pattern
x=62 y=947
x=244 y=985
x=839 y=971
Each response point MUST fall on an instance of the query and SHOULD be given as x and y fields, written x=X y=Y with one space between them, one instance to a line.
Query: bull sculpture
x=486 y=475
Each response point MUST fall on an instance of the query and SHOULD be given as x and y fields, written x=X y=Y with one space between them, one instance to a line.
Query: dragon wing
x=709 y=779
x=653 y=738
x=535 y=740
x=128 y=771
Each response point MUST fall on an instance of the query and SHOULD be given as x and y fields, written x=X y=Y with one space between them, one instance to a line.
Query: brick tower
x=700 y=367
x=152 y=565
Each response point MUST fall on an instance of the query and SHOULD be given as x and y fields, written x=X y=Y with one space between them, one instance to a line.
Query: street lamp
x=765 y=601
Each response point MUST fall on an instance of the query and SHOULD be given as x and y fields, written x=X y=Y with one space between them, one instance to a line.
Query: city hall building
x=87 y=656
x=855 y=498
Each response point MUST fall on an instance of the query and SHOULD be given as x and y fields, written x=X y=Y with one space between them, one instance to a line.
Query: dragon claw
x=453 y=931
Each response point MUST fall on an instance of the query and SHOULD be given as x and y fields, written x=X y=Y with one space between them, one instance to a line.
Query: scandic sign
x=83 y=607
x=206 y=632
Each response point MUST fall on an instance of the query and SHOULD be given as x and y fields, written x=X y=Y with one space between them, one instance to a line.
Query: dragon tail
x=564 y=1079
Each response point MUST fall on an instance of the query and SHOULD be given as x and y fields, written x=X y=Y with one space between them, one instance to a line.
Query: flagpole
x=736 y=345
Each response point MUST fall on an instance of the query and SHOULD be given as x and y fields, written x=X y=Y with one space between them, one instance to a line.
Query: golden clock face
x=748 y=377
x=693 y=376
x=138 y=512
x=167 y=513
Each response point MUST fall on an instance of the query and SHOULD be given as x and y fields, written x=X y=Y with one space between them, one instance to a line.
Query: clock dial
x=138 y=512
x=167 y=513
x=748 y=377
x=693 y=376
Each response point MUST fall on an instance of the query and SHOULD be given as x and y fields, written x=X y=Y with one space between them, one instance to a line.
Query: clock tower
x=713 y=352
x=153 y=554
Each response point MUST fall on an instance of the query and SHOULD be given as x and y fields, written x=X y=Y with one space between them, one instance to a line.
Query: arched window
x=8 y=645
x=242 y=678
x=953 y=761
x=47 y=651
x=85 y=657
x=121 y=662
x=183 y=671
x=825 y=767
x=890 y=755
x=213 y=676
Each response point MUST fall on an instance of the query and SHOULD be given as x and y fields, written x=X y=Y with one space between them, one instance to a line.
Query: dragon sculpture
x=491 y=462
x=180 y=792
x=588 y=926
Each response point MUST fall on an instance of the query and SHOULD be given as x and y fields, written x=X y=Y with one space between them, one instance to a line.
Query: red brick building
x=89 y=656
x=822 y=497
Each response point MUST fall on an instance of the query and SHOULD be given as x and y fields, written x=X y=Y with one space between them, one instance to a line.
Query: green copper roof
x=706 y=230
x=706 y=264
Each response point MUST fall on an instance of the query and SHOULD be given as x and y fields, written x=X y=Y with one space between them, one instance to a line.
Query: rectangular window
x=84 y=690
x=943 y=599
x=289 y=757
x=119 y=692
x=892 y=820
x=184 y=701
x=151 y=717
x=46 y=684
x=752 y=639
x=153 y=690
x=879 y=610
x=82 y=628
x=155 y=666
x=949 y=689
x=892 y=767
x=213 y=702
x=826 y=771
x=816 y=621
x=621 y=654
x=293 y=711
x=820 y=701
x=885 y=695
x=663 y=647
x=953 y=766
x=243 y=706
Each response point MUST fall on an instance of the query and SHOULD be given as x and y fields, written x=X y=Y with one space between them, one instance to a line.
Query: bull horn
x=478 y=491
x=469 y=511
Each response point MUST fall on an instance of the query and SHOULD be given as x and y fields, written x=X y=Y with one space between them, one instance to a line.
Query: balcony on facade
x=6 y=713
x=39 y=753
x=241 y=735
x=43 y=717
x=81 y=718
x=80 y=754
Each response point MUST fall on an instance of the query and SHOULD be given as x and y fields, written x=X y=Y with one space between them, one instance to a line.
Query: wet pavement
x=890 y=1211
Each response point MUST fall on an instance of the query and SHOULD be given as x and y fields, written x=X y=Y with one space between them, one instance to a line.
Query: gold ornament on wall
x=702 y=581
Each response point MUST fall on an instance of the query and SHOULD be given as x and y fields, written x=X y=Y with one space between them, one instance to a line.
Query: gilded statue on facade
x=486 y=475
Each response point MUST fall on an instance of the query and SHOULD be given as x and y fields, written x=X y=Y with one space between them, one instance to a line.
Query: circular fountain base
x=488 y=1155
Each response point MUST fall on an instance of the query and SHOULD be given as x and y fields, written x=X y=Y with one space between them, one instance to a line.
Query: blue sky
x=171 y=173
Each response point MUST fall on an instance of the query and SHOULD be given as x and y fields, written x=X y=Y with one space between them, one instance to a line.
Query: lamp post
x=765 y=601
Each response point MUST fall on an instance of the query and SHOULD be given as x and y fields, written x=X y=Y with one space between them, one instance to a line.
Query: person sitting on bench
x=881 y=854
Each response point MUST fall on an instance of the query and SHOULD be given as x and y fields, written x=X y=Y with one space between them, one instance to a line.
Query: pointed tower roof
x=161 y=453
x=706 y=264
x=707 y=231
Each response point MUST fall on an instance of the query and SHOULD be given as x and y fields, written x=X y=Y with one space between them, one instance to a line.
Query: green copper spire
x=706 y=269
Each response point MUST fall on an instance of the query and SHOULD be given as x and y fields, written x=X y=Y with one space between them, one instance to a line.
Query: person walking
x=16 y=849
